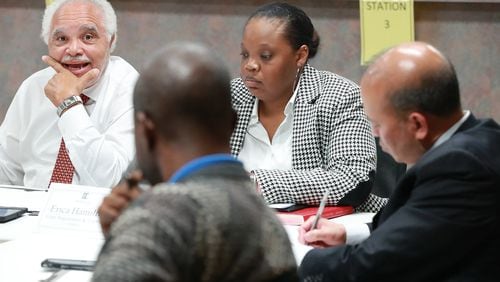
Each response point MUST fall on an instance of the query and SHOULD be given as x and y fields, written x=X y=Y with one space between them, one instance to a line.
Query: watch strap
x=68 y=103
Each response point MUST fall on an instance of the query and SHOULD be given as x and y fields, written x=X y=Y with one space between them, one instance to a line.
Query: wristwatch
x=68 y=103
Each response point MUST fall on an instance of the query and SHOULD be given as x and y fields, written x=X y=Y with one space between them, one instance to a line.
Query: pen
x=134 y=180
x=320 y=209
x=131 y=182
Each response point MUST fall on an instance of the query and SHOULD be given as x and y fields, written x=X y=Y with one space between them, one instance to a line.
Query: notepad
x=300 y=216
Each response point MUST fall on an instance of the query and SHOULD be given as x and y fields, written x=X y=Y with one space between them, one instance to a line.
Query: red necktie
x=63 y=169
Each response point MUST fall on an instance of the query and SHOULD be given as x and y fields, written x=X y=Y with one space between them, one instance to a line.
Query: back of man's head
x=184 y=90
x=411 y=95
x=420 y=78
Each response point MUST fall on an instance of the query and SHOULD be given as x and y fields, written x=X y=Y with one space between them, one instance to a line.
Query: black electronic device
x=10 y=213
x=292 y=208
x=73 y=264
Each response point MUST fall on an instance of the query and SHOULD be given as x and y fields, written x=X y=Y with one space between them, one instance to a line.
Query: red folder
x=298 y=217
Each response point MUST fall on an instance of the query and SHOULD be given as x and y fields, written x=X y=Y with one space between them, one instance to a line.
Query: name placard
x=384 y=23
x=72 y=208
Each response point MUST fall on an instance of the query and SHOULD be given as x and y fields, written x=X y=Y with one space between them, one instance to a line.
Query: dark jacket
x=441 y=223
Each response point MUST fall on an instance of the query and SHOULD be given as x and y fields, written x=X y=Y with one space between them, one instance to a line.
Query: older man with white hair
x=72 y=122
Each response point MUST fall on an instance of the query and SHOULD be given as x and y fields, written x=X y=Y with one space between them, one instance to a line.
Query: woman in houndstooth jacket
x=300 y=131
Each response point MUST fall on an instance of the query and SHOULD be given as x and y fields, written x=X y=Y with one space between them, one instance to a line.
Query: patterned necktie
x=63 y=169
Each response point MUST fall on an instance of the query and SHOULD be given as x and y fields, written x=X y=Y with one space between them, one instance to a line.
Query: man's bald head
x=185 y=90
x=416 y=77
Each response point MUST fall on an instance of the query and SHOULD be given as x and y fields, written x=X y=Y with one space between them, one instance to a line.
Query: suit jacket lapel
x=305 y=150
x=243 y=104
x=471 y=121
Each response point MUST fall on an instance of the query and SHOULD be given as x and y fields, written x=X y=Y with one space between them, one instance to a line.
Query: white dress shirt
x=258 y=152
x=356 y=233
x=98 y=137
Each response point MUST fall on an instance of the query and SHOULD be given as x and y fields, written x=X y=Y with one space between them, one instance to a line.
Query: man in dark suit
x=442 y=221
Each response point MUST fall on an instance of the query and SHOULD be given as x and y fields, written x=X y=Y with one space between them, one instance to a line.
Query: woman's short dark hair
x=299 y=29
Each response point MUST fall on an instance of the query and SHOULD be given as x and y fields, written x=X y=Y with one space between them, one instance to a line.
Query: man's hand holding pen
x=326 y=233
x=319 y=232
x=119 y=199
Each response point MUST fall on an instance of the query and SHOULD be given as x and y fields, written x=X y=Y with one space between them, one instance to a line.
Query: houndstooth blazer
x=332 y=144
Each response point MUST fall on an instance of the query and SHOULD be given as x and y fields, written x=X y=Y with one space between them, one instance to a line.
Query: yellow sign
x=48 y=2
x=384 y=23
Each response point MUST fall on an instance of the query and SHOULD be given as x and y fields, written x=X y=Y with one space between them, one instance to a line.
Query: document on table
x=25 y=188
x=34 y=200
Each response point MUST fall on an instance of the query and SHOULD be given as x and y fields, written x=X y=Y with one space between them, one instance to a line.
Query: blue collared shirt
x=200 y=163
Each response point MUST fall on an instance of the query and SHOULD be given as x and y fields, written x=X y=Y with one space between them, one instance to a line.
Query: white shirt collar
x=258 y=152
x=254 y=118
x=447 y=135
x=291 y=102
x=93 y=91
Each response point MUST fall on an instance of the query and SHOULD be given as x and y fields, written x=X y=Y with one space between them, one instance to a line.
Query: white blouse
x=258 y=152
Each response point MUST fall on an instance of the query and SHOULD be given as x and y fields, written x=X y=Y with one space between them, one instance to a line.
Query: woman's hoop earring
x=297 y=77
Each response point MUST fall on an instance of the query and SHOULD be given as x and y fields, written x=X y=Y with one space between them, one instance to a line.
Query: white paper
x=7 y=186
x=281 y=206
x=33 y=200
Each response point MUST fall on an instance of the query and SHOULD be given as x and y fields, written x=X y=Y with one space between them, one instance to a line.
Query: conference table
x=23 y=246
